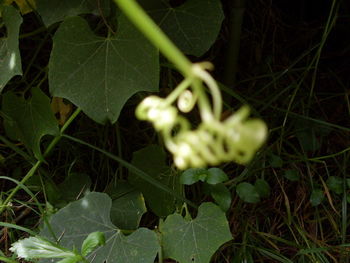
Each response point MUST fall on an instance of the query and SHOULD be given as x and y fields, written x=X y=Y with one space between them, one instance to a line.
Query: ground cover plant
x=228 y=143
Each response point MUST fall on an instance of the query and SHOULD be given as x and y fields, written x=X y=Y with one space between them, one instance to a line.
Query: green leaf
x=216 y=176
x=92 y=241
x=100 y=74
x=10 y=58
x=52 y=192
x=75 y=259
x=275 y=161
x=151 y=160
x=316 y=197
x=37 y=247
x=65 y=8
x=262 y=187
x=335 y=184
x=221 y=195
x=73 y=186
x=348 y=182
x=195 y=240
x=74 y=222
x=193 y=26
x=29 y=120
x=128 y=205
x=292 y=175
x=248 y=193
x=193 y=175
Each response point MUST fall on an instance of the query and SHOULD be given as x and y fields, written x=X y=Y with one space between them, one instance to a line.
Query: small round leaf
x=262 y=187
x=335 y=184
x=92 y=241
x=221 y=195
x=193 y=175
x=216 y=176
x=292 y=175
x=247 y=193
x=316 y=197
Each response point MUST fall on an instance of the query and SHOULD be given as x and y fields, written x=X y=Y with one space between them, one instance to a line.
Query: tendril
x=213 y=141
x=186 y=101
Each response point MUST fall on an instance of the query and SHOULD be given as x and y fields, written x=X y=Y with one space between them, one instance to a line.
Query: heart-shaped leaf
x=29 y=120
x=195 y=240
x=76 y=221
x=10 y=58
x=216 y=176
x=193 y=26
x=248 y=193
x=100 y=74
x=65 y=8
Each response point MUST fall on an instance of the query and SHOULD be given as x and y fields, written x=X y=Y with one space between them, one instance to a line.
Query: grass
x=292 y=76
x=309 y=139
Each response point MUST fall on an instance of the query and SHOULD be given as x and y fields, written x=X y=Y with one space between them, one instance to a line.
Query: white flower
x=35 y=247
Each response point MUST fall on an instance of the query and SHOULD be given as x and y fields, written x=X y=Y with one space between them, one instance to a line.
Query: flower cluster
x=213 y=141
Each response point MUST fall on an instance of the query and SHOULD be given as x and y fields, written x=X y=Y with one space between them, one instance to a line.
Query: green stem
x=178 y=90
x=7 y=260
x=154 y=34
x=203 y=103
x=135 y=170
x=35 y=167
x=14 y=191
x=33 y=33
x=213 y=89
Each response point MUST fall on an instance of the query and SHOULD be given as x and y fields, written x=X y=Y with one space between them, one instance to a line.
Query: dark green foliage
x=112 y=176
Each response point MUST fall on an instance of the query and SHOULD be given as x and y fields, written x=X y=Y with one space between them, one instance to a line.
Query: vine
x=214 y=141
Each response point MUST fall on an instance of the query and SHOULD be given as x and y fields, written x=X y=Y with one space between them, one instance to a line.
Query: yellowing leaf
x=62 y=109
x=25 y=6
